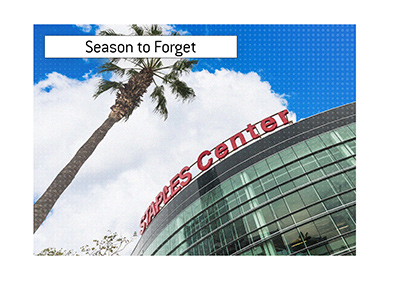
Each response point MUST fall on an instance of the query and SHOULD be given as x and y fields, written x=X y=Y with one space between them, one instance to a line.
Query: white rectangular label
x=140 y=46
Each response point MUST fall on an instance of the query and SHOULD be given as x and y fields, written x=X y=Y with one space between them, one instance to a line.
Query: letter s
x=91 y=48
x=184 y=174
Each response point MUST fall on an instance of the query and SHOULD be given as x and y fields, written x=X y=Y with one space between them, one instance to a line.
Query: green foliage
x=158 y=97
x=111 y=244
x=169 y=75
x=54 y=252
x=105 y=85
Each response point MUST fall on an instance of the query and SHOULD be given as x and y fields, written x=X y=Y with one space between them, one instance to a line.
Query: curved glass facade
x=299 y=200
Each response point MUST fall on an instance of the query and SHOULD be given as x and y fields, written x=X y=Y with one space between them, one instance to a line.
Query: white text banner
x=140 y=46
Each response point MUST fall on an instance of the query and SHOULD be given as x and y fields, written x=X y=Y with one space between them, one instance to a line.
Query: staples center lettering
x=204 y=162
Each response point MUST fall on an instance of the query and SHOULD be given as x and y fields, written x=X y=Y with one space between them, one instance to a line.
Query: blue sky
x=313 y=65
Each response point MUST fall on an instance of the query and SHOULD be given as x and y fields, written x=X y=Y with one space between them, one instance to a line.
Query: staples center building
x=292 y=192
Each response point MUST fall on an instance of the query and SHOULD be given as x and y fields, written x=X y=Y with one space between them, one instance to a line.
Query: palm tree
x=129 y=94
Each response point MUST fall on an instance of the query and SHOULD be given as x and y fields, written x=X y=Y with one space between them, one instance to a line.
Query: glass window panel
x=329 y=138
x=308 y=195
x=326 y=227
x=321 y=250
x=258 y=250
x=260 y=200
x=352 y=175
x=242 y=195
x=352 y=127
x=249 y=174
x=281 y=175
x=247 y=253
x=336 y=245
x=316 y=209
x=324 y=157
x=287 y=155
x=343 y=221
x=254 y=236
x=232 y=248
x=229 y=233
x=217 y=240
x=301 y=181
x=279 y=246
x=212 y=215
x=226 y=188
x=339 y=152
x=331 y=169
x=251 y=223
x=294 y=202
x=352 y=212
x=280 y=208
x=332 y=203
x=230 y=200
x=301 y=149
x=293 y=240
x=237 y=181
x=349 y=162
x=302 y=253
x=309 y=233
x=309 y=163
x=268 y=182
x=244 y=241
x=340 y=182
x=351 y=146
x=324 y=189
x=286 y=187
x=261 y=168
x=348 y=197
x=266 y=214
x=350 y=239
x=237 y=211
x=301 y=215
x=245 y=207
x=274 y=161
x=222 y=205
x=225 y=218
x=240 y=228
x=273 y=193
x=315 y=144
x=285 y=222
x=315 y=175
x=344 y=133
x=294 y=169
x=255 y=188
x=272 y=228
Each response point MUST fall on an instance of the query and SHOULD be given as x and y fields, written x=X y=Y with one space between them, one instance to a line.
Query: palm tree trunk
x=46 y=202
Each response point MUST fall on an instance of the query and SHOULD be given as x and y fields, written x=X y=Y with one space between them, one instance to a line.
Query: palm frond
x=170 y=77
x=115 y=60
x=111 y=67
x=105 y=85
x=109 y=32
x=154 y=30
x=182 y=90
x=158 y=97
x=131 y=72
x=183 y=65
x=138 y=31
x=140 y=62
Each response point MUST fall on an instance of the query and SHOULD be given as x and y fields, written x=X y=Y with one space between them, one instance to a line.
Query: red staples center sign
x=206 y=160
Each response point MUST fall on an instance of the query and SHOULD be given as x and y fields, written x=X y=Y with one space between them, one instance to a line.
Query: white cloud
x=138 y=157
x=85 y=27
